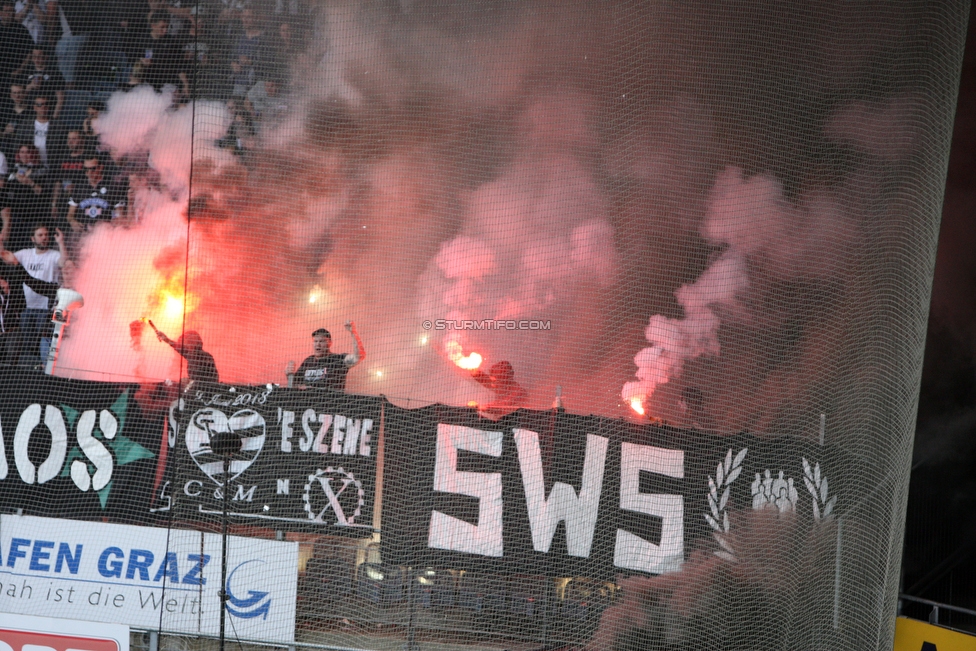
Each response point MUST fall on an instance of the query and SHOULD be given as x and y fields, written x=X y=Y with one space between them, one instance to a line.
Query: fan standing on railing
x=325 y=369
x=200 y=365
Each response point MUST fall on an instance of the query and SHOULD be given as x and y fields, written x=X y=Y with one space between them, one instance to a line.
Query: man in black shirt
x=40 y=128
x=161 y=57
x=325 y=369
x=15 y=41
x=42 y=79
x=200 y=365
x=14 y=112
x=96 y=199
x=26 y=198
x=67 y=171
x=500 y=380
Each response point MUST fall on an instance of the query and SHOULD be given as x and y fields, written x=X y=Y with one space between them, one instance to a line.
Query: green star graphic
x=124 y=449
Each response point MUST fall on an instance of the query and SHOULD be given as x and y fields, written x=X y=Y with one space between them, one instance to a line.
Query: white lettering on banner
x=633 y=552
x=93 y=449
x=350 y=436
x=241 y=496
x=147 y=577
x=283 y=486
x=338 y=433
x=163 y=499
x=108 y=424
x=320 y=446
x=364 y=447
x=308 y=417
x=357 y=437
x=233 y=400
x=49 y=469
x=579 y=512
x=446 y=532
x=287 y=418
x=97 y=453
x=349 y=443
x=174 y=423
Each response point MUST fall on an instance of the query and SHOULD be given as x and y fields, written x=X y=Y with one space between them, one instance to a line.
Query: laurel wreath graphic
x=341 y=471
x=726 y=473
x=816 y=483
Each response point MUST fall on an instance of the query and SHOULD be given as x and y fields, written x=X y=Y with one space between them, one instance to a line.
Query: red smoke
x=444 y=165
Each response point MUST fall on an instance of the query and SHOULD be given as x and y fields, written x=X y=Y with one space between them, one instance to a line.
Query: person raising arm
x=325 y=369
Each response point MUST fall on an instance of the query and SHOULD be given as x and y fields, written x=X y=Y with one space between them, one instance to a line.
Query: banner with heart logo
x=282 y=458
x=206 y=424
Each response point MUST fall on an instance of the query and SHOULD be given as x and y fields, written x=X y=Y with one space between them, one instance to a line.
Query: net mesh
x=436 y=324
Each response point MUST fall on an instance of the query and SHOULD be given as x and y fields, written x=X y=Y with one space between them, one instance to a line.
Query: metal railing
x=936 y=606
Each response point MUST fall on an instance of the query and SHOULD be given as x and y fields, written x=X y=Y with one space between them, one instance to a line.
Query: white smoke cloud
x=676 y=341
x=132 y=119
x=192 y=129
x=760 y=231
x=751 y=216
x=143 y=120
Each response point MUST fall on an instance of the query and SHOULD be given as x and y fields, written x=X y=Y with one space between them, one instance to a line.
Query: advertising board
x=147 y=577
x=27 y=633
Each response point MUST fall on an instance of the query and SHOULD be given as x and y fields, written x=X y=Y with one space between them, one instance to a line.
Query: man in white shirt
x=12 y=301
x=42 y=263
x=42 y=125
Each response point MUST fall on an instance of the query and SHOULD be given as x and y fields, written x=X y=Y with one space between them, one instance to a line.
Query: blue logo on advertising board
x=256 y=603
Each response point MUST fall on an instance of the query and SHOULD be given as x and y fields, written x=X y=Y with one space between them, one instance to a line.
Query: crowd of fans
x=60 y=60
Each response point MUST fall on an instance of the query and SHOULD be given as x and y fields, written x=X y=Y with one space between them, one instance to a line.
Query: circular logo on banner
x=336 y=490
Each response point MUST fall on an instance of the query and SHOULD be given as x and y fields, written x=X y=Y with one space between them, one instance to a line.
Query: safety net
x=465 y=324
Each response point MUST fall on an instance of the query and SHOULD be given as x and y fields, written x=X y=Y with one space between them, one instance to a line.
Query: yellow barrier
x=913 y=635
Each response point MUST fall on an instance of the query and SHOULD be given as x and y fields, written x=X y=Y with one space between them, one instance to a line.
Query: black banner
x=84 y=450
x=536 y=493
x=301 y=460
x=547 y=493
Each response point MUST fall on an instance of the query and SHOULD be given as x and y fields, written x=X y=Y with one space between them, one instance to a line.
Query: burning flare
x=170 y=304
x=316 y=295
x=637 y=404
x=455 y=353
